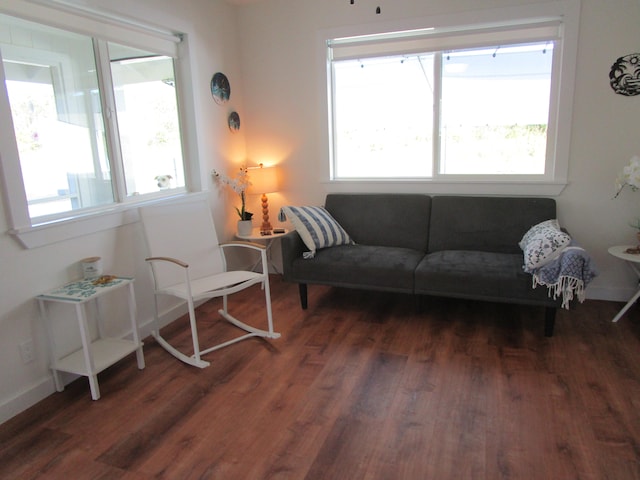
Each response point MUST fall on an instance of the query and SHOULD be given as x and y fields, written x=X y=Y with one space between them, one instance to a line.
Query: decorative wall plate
x=234 y=121
x=625 y=75
x=220 y=88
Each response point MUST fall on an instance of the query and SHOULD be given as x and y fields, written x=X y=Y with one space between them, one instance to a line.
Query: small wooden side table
x=256 y=236
x=95 y=355
x=633 y=260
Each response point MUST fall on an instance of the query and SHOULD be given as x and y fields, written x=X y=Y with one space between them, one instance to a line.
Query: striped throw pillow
x=317 y=228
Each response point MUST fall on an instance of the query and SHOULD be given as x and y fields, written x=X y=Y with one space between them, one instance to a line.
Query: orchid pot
x=245 y=227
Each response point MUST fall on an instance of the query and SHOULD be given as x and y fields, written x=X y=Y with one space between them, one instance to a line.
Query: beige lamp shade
x=263 y=180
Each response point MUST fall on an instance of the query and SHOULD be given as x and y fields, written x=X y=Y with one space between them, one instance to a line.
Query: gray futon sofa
x=450 y=246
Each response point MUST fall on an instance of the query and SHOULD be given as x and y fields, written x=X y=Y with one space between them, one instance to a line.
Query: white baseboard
x=27 y=398
x=45 y=386
x=610 y=294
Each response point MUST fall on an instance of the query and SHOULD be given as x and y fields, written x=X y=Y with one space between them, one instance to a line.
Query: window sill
x=66 y=229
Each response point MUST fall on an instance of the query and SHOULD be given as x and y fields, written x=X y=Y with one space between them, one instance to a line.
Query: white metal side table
x=633 y=260
x=98 y=354
x=256 y=236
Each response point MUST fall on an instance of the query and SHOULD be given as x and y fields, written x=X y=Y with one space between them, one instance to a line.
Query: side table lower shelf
x=103 y=351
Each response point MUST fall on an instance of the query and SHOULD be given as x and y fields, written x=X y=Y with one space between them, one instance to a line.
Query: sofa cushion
x=478 y=275
x=317 y=228
x=359 y=266
x=383 y=219
x=543 y=243
x=486 y=224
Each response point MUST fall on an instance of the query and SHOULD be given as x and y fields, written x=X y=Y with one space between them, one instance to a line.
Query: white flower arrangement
x=239 y=184
x=630 y=176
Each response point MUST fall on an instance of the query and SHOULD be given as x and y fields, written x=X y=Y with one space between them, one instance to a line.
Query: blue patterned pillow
x=317 y=228
x=542 y=244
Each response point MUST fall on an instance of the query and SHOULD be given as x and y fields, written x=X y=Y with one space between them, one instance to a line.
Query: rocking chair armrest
x=240 y=243
x=167 y=259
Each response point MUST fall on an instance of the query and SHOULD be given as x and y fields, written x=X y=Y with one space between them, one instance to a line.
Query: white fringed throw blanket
x=567 y=275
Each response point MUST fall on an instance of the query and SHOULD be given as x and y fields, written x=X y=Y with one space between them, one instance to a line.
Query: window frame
x=103 y=28
x=566 y=12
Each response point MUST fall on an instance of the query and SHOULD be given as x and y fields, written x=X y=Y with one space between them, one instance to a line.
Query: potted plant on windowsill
x=239 y=184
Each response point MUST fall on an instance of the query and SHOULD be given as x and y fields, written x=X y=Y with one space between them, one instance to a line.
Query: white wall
x=286 y=114
x=210 y=26
x=269 y=50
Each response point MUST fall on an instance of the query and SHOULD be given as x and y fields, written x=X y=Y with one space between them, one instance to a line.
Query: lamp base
x=266 y=225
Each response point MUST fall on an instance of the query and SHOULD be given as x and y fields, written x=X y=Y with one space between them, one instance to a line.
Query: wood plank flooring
x=360 y=386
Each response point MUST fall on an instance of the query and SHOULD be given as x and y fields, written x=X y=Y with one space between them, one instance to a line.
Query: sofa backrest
x=491 y=224
x=379 y=219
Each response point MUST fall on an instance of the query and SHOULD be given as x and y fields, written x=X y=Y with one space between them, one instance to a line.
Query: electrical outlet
x=26 y=351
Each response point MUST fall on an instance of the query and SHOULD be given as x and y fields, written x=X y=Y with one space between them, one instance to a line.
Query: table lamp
x=264 y=180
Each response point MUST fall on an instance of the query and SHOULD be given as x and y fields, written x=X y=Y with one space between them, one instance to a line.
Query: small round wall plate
x=220 y=88
x=234 y=121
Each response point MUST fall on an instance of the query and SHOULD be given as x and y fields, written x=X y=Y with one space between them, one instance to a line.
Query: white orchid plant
x=630 y=176
x=239 y=184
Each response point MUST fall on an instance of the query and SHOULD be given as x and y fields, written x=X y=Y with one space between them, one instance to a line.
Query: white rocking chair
x=188 y=262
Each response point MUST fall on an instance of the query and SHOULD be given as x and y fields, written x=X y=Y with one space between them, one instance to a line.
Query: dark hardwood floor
x=360 y=386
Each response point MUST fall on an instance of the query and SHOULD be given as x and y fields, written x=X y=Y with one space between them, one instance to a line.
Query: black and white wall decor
x=624 y=76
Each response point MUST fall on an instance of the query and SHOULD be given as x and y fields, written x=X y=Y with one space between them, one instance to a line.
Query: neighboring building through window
x=96 y=123
x=474 y=102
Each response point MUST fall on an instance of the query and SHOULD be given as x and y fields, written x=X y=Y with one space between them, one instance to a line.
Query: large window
x=475 y=102
x=95 y=122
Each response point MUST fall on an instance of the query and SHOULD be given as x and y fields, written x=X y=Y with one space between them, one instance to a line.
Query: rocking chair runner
x=187 y=262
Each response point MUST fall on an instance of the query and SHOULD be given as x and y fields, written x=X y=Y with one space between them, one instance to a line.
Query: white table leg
x=134 y=327
x=52 y=346
x=627 y=306
x=269 y=258
x=633 y=299
x=267 y=247
x=86 y=349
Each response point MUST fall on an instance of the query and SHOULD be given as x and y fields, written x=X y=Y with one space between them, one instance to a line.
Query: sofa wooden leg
x=549 y=321
x=302 y=288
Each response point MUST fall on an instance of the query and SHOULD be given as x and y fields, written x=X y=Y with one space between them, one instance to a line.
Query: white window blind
x=442 y=39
